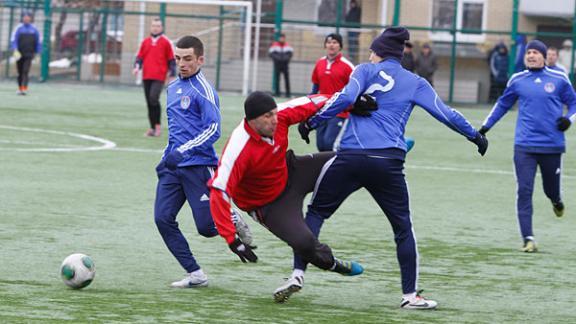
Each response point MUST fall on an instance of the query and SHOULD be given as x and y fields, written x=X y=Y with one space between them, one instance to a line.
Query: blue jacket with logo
x=193 y=112
x=542 y=95
x=396 y=91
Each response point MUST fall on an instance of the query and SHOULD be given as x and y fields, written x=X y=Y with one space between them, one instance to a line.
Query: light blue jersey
x=396 y=91
x=193 y=112
x=542 y=95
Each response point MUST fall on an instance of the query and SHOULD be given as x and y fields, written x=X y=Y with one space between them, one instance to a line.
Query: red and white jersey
x=155 y=53
x=332 y=75
x=252 y=171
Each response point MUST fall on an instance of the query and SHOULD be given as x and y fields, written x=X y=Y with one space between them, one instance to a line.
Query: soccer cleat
x=409 y=143
x=418 y=302
x=529 y=246
x=292 y=285
x=558 y=209
x=150 y=133
x=192 y=280
x=347 y=268
x=242 y=228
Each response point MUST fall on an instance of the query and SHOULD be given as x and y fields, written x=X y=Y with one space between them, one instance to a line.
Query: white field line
x=106 y=144
x=138 y=150
x=109 y=145
x=469 y=170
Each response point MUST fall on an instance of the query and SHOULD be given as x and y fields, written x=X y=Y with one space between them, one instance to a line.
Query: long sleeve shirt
x=26 y=39
x=193 y=112
x=156 y=58
x=396 y=91
x=541 y=95
x=252 y=171
x=330 y=76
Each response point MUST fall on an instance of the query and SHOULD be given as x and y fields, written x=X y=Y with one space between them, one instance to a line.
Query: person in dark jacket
x=25 y=43
x=408 y=60
x=281 y=53
x=498 y=71
x=426 y=64
x=353 y=17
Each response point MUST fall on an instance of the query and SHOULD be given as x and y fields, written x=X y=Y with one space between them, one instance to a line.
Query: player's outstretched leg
x=296 y=281
x=347 y=268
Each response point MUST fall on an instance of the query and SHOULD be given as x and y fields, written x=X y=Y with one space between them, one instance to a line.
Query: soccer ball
x=77 y=270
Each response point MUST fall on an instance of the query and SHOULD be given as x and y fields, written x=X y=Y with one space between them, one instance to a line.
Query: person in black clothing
x=408 y=61
x=353 y=16
x=25 y=43
x=281 y=53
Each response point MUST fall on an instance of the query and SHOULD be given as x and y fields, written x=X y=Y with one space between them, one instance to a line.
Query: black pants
x=152 y=90
x=284 y=218
x=282 y=69
x=23 y=67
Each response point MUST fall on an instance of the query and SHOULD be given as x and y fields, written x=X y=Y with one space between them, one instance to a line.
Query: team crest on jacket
x=185 y=102
x=549 y=87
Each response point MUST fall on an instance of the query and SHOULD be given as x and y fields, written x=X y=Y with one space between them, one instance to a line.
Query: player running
x=539 y=138
x=189 y=160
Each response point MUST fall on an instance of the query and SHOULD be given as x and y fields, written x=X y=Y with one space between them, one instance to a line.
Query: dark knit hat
x=391 y=42
x=257 y=104
x=537 y=45
x=334 y=36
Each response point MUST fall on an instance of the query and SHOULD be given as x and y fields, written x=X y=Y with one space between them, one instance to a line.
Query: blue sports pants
x=384 y=179
x=326 y=134
x=174 y=188
x=525 y=165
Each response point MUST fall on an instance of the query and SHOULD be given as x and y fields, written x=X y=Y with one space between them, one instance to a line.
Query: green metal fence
x=100 y=51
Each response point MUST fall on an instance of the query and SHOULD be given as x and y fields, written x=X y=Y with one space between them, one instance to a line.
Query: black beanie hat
x=391 y=42
x=537 y=45
x=336 y=37
x=257 y=104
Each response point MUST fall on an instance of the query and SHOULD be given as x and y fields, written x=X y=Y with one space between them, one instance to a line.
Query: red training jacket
x=155 y=53
x=252 y=171
x=332 y=76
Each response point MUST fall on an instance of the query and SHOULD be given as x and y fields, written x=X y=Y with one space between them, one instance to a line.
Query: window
x=470 y=15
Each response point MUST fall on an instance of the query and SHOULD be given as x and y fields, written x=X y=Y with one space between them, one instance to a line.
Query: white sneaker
x=242 y=228
x=192 y=280
x=292 y=285
x=418 y=302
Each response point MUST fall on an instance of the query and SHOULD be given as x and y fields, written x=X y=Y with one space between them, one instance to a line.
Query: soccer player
x=155 y=58
x=260 y=176
x=26 y=44
x=372 y=152
x=329 y=76
x=539 y=138
x=189 y=159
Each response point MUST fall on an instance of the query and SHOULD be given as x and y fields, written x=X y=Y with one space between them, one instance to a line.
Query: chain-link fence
x=97 y=40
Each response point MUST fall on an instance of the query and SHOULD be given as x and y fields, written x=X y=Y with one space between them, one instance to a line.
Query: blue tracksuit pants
x=525 y=165
x=383 y=177
x=174 y=188
x=327 y=133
